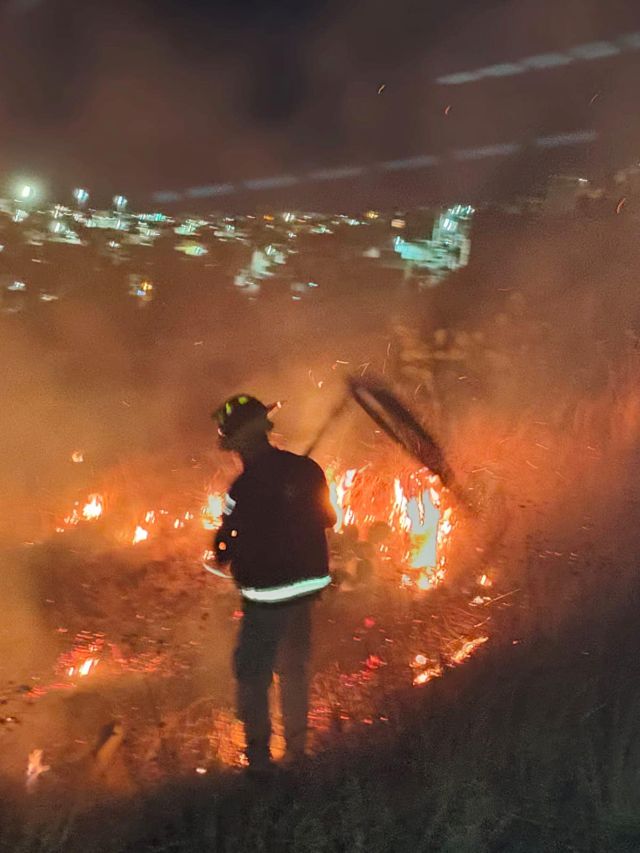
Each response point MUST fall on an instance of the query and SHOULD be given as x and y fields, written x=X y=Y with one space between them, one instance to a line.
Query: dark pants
x=274 y=637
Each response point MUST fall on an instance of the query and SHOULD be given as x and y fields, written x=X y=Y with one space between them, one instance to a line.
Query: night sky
x=140 y=96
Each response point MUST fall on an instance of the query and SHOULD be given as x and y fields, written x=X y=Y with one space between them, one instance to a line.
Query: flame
x=400 y=507
x=409 y=505
x=467 y=649
x=72 y=519
x=425 y=519
x=87 y=666
x=339 y=495
x=211 y=512
x=140 y=535
x=427 y=675
x=93 y=509
x=35 y=767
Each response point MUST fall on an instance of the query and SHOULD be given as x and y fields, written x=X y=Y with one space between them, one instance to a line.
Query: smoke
x=539 y=403
x=130 y=98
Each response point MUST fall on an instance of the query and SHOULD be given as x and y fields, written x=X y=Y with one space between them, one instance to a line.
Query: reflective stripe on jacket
x=277 y=594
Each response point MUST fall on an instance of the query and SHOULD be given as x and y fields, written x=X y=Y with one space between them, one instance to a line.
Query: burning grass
x=417 y=587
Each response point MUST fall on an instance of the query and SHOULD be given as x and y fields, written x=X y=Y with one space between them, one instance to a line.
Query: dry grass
x=529 y=747
x=534 y=745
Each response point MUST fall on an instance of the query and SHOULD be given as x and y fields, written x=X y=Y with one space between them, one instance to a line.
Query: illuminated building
x=449 y=246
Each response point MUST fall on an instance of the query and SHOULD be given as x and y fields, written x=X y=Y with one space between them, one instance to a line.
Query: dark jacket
x=273 y=530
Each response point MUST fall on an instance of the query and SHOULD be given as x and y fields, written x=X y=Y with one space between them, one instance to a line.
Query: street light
x=24 y=194
x=119 y=202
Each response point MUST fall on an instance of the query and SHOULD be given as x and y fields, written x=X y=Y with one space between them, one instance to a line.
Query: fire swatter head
x=395 y=419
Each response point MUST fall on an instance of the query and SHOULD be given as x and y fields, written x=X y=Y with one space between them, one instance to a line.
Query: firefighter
x=273 y=537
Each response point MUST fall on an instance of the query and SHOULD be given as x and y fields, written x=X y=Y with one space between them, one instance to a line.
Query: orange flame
x=338 y=495
x=427 y=675
x=84 y=669
x=467 y=649
x=35 y=767
x=140 y=535
x=93 y=508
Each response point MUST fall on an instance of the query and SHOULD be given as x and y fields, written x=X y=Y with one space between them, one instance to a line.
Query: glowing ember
x=93 y=509
x=140 y=535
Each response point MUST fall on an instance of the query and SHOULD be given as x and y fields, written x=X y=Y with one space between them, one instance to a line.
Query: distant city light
x=81 y=195
x=120 y=202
